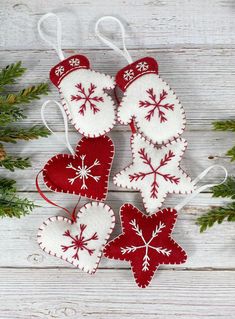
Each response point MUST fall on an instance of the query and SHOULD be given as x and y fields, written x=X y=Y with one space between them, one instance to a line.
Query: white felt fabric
x=89 y=124
x=97 y=217
x=145 y=181
x=153 y=129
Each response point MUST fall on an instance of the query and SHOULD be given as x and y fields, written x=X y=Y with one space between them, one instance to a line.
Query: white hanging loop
x=56 y=46
x=66 y=141
x=123 y=52
x=203 y=187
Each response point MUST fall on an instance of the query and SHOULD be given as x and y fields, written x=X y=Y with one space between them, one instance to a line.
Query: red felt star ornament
x=146 y=242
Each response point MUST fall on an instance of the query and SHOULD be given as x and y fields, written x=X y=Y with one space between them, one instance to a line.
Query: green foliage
x=11 y=111
x=227 y=189
x=11 y=135
x=231 y=153
x=11 y=162
x=9 y=74
x=228 y=125
x=218 y=214
x=10 y=204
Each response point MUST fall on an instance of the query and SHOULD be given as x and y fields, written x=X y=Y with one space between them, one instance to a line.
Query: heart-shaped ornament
x=80 y=243
x=85 y=174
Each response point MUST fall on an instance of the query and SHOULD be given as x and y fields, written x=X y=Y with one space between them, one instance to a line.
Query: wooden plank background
x=194 y=43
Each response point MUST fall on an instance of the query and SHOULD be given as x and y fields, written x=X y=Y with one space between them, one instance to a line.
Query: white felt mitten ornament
x=83 y=91
x=148 y=101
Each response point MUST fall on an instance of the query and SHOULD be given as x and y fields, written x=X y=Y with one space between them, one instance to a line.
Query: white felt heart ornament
x=80 y=243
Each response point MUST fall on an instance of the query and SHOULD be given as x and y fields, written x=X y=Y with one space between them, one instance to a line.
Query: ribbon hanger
x=57 y=46
x=66 y=141
x=203 y=187
x=124 y=52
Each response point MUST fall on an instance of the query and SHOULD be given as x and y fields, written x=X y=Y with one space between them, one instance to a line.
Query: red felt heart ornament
x=85 y=174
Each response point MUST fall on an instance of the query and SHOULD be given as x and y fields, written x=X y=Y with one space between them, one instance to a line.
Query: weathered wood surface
x=194 y=43
x=67 y=293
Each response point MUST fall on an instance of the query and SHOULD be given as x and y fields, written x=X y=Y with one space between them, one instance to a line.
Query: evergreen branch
x=26 y=95
x=10 y=73
x=231 y=153
x=13 y=206
x=10 y=115
x=11 y=135
x=11 y=163
x=227 y=189
x=228 y=125
x=7 y=186
x=218 y=214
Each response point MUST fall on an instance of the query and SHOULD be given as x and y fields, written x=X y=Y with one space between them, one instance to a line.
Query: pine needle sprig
x=9 y=74
x=228 y=125
x=218 y=214
x=11 y=135
x=7 y=186
x=26 y=95
x=11 y=163
x=227 y=189
x=231 y=153
x=10 y=115
x=13 y=206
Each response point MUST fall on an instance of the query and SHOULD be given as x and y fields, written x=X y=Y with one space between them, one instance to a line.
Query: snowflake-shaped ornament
x=128 y=75
x=155 y=172
x=59 y=70
x=74 y=62
x=146 y=242
x=142 y=66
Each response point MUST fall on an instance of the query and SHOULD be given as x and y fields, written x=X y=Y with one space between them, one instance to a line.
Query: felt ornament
x=83 y=91
x=84 y=172
x=146 y=242
x=155 y=171
x=80 y=241
x=148 y=101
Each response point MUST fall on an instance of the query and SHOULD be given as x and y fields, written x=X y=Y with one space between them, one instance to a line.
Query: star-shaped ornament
x=146 y=242
x=155 y=171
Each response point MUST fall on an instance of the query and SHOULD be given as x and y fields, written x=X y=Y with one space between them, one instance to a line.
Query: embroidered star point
x=155 y=171
x=146 y=242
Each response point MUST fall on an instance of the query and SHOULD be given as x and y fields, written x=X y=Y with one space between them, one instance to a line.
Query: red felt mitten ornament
x=84 y=172
x=146 y=242
x=148 y=101
x=83 y=91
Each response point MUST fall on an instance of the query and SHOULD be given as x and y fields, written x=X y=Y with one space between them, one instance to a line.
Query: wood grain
x=50 y=293
x=213 y=249
x=194 y=44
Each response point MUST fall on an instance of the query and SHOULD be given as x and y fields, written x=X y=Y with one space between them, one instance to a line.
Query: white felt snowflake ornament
x=155 y=172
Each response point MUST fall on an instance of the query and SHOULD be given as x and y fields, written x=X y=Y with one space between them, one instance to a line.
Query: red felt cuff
x=74 y=62
x=134 y=70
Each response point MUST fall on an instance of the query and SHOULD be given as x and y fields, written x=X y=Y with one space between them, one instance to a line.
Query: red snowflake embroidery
x=88 y=99
x=155 y=171
x=156 y=105
x=79 y=242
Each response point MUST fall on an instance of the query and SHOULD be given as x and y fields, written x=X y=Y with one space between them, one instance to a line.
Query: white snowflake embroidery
x=146 y=244
x=142 y=66
x=59 y=70
x=128 y=75
x=83 y=172
x=74 y=62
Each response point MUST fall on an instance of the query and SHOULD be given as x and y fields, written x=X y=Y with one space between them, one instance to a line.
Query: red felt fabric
x=74 y=62
x=135 y=226
x=149 y=65
x=56 y=173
